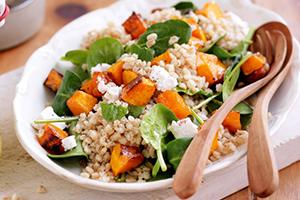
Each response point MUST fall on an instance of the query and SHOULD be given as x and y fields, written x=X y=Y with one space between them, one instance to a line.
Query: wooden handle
x=262 y=170
x=190 y=170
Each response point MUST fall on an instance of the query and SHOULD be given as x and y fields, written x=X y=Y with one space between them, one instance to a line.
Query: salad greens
x=135 y=111
x=62 y=120
x=191 y=93
x=112 y=112
x=76 y=152
x=165 y=31
x=154 y=128
x=176 y=149
x=185 y=7
x=105 y=50
x=143 y=53
x=71 y=82
x=77 y=57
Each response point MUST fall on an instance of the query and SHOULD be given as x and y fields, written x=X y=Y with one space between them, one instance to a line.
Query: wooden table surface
x=55 y=19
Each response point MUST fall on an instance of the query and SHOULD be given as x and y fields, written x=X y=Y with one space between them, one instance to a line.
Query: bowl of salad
x=114 y=99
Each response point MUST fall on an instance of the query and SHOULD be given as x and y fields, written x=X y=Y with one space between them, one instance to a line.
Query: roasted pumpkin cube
x=211 y=8
x=191 y=21
x=135 y=25
x=125 y=158
x=128 y=76
x=233 y=122
x=81 y=102
x=162 y=57
x=210 y=67
x=199 y=33
x=53 y=80
x=139 y=91
x=253 y=63
x=258 y=74
x=50 y=139
x=196 y=42
x=214 y=145
x=115 y=72
x=91 y=86
x=173 y=101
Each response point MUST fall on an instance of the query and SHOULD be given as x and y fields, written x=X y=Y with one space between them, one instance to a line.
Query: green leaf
x=105 y=50
x=143 y=53
x=81 y=73
x=162 y=175
x=135 y=111
x=246 y=120
x=112 y=112
x=155 y=168
x=191 y=93
x=185 y=7
x=165 y=31
x=76 y=152
x=197 y=117
x=206 y=101
x=232 y=78
x=77 y=57
x=154 y=127
x=176 y=149
x=243 y=108
x=71 y=82
x=212 y=44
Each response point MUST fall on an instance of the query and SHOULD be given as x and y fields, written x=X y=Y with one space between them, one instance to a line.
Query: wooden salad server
x=190 y=170
x=262 y=170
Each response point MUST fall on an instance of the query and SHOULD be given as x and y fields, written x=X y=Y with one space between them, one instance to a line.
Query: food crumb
x=41 y=189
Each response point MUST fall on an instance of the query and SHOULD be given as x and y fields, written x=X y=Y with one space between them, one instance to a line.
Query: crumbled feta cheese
x=69 y=142
x=173 y=40
x=100 y=68
x=164 y=81
x=111 y=90
x=47 y=114
x=183 y=128
x=62 y=66
x=219 y=87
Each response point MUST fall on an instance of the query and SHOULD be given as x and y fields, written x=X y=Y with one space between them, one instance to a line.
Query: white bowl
x=31 y=97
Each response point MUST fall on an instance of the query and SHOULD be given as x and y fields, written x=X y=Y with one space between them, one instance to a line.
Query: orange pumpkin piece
x=91 y=86
x=196 y=42
x=190 y=21
x=233 y=122
x=115 y=72
x=258 y=74
x=162 y=57
x=199 y=33
x=139 y=91
x=53 y=80
x=50 y=139
x=135 y=25
x=210 y=67
x=81 y=102
x=175 y=103
x=128 y=76
x=211 y=8
x=125 y=158
x=253 y=63
x=214 y=145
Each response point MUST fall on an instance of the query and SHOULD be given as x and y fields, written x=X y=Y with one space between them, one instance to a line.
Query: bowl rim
x=94 y=184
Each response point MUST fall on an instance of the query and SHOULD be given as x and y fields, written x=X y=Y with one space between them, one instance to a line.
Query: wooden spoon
x=262 y=170
x=190 y=170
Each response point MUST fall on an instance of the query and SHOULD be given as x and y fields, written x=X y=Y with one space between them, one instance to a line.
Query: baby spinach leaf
x=243 y=45
x=154 y=128
x=185 y=7
x=155 y=168
x=231 y=80
x=71 y=82
x=246 y=120
x=81 y=73
x=211 y=44
x=162 y=175
x=191 y=93
x=143 y=53
x=206 y=101
x=77 y=57
x=76 y=152
x=112 y=112
x=59 y=120
x=135 y=111
x=176 y=149
x=165 y=31
x=196 y=117
x=243 y=108
x=105 y=50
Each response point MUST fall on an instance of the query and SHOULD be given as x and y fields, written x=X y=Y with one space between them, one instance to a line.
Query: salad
x=130 y=100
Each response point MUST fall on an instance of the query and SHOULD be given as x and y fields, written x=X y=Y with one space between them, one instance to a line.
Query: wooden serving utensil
x=262 y=170
x=190 y=170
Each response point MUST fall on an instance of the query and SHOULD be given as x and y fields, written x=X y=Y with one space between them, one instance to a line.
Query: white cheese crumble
x=174 y=39
x=111 y=90
x=164 y=81
x=183 y=128
x=69 y=142
x=100 y=68
x=151 y=40
x=48 y=114
x=219 y=87
x=62 y=66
